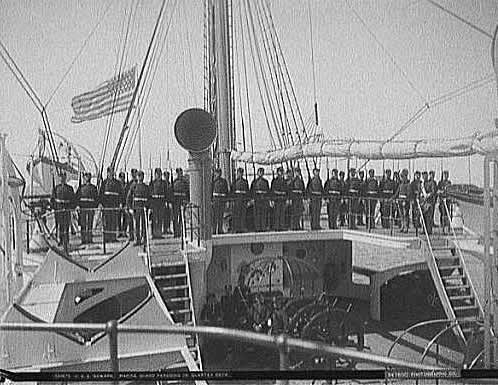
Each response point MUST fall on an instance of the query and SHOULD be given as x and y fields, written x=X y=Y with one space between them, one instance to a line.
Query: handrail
x=280 y=342
x=434 y=339
x=147 y=245
x=438 y=282
x=462 y=261
x=191 y=296
x=476 y=359
x=413 y=327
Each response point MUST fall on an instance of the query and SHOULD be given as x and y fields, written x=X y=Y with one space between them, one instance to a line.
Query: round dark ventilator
x=195 y=130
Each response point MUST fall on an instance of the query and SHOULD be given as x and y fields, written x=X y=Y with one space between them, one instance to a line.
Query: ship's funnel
x=195 y=131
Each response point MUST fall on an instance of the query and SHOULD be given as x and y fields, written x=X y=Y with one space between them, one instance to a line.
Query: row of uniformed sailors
x=115 y=196
x=291 y=189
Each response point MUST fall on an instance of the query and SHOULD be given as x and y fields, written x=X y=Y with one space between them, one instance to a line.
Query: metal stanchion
x=283 y=350
x=112 y=332
x=27 y=236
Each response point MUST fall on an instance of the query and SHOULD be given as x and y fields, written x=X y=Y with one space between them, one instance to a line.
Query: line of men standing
x=348 y=200
x=125 y=205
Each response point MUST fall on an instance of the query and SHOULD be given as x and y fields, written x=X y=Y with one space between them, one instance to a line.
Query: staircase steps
x=460 y=297
x=173 y=284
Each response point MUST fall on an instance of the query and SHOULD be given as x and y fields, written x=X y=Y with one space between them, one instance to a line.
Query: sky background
x=360 y=92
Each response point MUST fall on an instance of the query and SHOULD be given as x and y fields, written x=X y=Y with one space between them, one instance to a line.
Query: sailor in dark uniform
x=403 y=196
x=87 y=201
x=315 y=193
x=343 y=207
x=396 y=208
x=122 y=213
x=220 y=193
x=444 y=215
x=138 y=198
x=415 y=192
x=259 y=191
x=354 y=185
x=167 y=207
x=289 y=183
x=372 y=195
x=429 y=196
x=240 y=191
x=158 y=190
x=297 y=195
x=387 y=192
x=63 y=200
x=333 y=191
x=362 y=203
x=129 y=219
x=111 y=197
x=180 y=198
x=279 y=191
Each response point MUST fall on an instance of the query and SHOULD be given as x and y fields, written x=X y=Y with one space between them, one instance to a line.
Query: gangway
x=453 y=284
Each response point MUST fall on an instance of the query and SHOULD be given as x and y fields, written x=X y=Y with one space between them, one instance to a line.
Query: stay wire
x=386 y=52
x=26 y=86
x=313 y=62
x=289 y=79
x=244 y=62
x=124 y=58
x=271 y=52
x=461 y=19
x=272 y=78
x=135 y=92
x=257 y=74
x=238 y=85
x=261 y=67
x=78 y=54
x=107 y=127
x=152 y=69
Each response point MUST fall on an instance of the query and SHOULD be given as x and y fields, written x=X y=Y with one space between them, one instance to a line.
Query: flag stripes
x=112 y=96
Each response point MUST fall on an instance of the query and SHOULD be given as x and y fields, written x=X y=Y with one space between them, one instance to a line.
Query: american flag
x=110 y=97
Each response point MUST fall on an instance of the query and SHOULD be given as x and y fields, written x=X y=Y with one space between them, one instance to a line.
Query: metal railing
x=462 y=261
x=191 y=306
x=191 y=224
x=70 y=243
x=282 y=343
x=382 y=215
x=409 y=338
x=436 y=277
x=147 y=243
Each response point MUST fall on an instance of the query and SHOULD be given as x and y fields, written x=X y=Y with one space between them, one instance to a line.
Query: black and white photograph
x=291 y=192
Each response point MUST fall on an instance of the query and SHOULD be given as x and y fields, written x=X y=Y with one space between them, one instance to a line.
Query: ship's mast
x=223 y=86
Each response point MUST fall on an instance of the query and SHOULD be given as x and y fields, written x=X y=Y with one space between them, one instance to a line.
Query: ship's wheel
x=334 y=327
x=302 y=317
x=292 y=306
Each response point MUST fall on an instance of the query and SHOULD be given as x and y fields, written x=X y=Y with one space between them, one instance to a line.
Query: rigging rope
x=78 y=54
x=313 y=63
x=107 y=125
x=386 y=52
x=147 y=87
x=272 y=80
x=135 y=92
x=279 y=79
x=288 y=78
x=451 y=13
x=189 y=51
x=257 y=74
x=244 y=62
